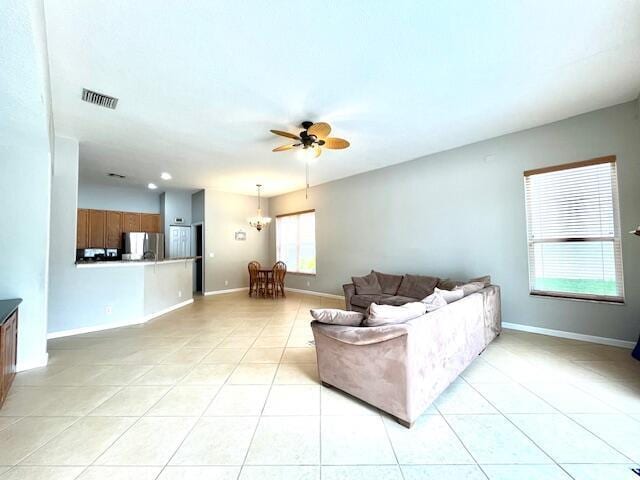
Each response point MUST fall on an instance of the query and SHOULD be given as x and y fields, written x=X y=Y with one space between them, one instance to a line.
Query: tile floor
x=227 y=389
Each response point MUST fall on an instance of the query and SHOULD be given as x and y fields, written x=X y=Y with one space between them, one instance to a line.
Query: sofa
x=390 y=289
x=402 y=368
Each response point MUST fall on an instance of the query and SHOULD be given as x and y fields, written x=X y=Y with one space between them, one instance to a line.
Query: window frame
x=616 y=239
x=298 y=243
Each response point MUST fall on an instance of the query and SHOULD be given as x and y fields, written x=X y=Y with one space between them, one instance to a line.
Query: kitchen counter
x=7 y=307
x=131 y=263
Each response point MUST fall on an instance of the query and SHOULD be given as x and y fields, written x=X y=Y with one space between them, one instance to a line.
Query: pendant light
x=259 y=221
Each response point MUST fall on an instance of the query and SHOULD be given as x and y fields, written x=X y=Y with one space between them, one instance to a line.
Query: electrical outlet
x=179 y=293
x=226 y=282
x=308 y=283
x=108 y=309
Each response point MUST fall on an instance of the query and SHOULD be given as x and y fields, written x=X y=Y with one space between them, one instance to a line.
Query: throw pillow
x=389 y=283
x=367 y=285
x=469 y=288
x=448 y=284
x=450 y=296
x=389 y=314
x=417 y=286
x=335 y=316
x=434 y=301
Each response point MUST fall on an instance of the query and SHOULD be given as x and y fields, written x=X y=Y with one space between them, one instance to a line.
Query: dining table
x=265 y=282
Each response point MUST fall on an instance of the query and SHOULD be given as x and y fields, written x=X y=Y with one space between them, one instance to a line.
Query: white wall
x=119 y=198
x=226 y=213
x=25 y=171
x=461 y=214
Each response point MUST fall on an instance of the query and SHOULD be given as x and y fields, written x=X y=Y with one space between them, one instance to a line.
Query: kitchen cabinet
x=97 y=224
x=150 y=222
x=8 y=344
x=113 y=229
x=130 y=222
x=82 y=237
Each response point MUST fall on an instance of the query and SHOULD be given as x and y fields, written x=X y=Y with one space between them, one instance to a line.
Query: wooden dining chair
x=279 y=272
x=254 y=268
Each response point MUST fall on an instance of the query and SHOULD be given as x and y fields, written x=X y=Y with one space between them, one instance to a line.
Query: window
x=296 y=241
x=573 y=231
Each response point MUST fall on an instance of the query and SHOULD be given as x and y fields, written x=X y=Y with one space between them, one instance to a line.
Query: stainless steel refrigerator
x=143 y=246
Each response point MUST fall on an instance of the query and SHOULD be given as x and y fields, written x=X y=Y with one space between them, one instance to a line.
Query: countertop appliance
x=143 y=246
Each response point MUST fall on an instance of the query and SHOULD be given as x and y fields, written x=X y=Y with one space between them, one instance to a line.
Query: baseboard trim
x=41 y=362
x=109 y=326
x=167 y=310
x=614 y=342
x=317 y=294
x=229 y=290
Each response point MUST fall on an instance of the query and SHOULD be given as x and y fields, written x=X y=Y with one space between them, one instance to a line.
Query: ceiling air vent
x=115 y=175
x=99 y=99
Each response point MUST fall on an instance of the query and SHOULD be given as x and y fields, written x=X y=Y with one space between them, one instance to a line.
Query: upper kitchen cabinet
x=97 y=224
x=131 y=222
x=82 y=237
x=113 y=230
x=150 y=222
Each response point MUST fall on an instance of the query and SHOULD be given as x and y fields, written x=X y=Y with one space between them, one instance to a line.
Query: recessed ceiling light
x=165 y=176
x=152 y=186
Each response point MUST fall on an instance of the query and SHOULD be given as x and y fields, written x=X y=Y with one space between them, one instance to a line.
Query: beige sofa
x=402 y=368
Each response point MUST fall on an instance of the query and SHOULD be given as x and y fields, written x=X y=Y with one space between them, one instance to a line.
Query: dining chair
x=279 y=272
x=254 y=268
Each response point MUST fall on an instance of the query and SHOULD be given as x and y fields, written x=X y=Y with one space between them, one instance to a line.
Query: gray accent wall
x=26 y=151
x=197 y=207
x=118 y=198
x=461 y=214
x=226 y=213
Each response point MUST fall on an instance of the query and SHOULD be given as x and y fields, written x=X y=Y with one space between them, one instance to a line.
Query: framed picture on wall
x=241 y=235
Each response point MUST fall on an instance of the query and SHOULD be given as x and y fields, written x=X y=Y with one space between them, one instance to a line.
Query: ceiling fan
x=314 y=135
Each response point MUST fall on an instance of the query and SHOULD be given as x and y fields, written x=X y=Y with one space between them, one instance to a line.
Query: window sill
x=561 y=296
x=301 y=273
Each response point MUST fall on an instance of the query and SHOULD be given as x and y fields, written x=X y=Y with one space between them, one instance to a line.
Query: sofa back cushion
x=417 y=286
x=367 y=285
x=389 y=283
x=469 y=288
x=335 y=316
x=389 y=315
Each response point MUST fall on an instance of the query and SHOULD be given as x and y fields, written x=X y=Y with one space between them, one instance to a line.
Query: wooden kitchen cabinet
x=150 y=222
x=113 y=229
x=97 y=224
x=8 y=345
x=130 y=222
x=82 y=237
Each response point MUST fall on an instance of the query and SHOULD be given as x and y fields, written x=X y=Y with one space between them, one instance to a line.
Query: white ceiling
x=201 y=83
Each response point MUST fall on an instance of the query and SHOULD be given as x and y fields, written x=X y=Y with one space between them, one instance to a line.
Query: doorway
x=198 y=271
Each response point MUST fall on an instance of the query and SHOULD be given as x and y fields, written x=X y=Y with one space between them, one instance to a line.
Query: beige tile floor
x=227 y=389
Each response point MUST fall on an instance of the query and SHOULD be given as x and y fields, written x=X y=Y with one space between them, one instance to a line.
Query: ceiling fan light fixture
x=259 y=222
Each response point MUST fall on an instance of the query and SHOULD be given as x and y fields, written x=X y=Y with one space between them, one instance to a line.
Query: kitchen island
x=101 y=295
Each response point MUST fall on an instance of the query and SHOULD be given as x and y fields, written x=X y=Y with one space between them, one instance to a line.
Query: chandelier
x=259 y=221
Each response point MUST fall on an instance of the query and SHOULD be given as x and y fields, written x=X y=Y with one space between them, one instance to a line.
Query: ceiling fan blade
x=285 y=134
x=335 y=143
x=320 y=130
x=318 y=152
x=282 y=148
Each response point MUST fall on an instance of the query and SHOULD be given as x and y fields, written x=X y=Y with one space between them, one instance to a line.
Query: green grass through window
x=576 y=285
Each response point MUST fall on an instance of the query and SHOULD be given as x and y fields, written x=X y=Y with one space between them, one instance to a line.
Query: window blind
x=573 y=231
x=296 y=241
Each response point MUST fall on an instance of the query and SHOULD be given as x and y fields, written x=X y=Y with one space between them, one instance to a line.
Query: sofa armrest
x=360 y=335
x=349 y=291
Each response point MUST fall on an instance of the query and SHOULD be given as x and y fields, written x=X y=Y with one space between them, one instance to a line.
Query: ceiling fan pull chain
x=306 y=193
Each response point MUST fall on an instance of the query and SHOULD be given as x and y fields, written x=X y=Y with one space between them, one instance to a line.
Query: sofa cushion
x=469 y=288
x=417 y=286
x=450 y=296
x=335 y=316
x=367 y=285
x=434 y=301
x=389 y=283
x=365 y=300
x=389 y=314
x=484 y=280
x=395 y=300
x=448 y=284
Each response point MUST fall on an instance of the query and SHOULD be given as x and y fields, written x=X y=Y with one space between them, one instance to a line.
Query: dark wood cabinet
x=113 y=230
x=82 y=238
x=131 y=222
x=8 y=345
x=150 y=222
x=97 y=224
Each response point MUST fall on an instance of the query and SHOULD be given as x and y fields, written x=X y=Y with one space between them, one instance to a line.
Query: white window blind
x=573 y=231
x=296 y=241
